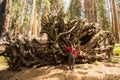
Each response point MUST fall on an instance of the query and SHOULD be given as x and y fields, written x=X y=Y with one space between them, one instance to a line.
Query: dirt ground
x=101 y=71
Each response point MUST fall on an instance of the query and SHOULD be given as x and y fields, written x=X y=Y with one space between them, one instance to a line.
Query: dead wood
x=90 y=41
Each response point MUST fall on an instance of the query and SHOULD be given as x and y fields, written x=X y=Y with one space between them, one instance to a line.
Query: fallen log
x=90 y=41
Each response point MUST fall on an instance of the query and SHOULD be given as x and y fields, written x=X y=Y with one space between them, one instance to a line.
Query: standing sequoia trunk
x=31 y=20
x=95 y=11
x=35 y=25
x=7 y=15
x=5 y=8
x=22 y=15
x=2 y=17
x=115 y=23
x=46 y=11
x=90 y=10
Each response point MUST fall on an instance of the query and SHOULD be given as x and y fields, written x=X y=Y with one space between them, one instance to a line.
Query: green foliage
x=25 y=24
x=46 y=2
x=75 y=9
x=26 y=20
x=56 y=5
x=18 y=16
x=116 y=50
x=2 y=61
x=95 y=63
x=113 y=60
x=15 y=12
x=38 y=5
x=103 y=15
x=119 y=14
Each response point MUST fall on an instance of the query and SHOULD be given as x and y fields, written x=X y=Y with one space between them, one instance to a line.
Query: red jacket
x=73 y=50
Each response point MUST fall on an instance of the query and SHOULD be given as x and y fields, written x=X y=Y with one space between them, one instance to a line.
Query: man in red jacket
x=72 y=56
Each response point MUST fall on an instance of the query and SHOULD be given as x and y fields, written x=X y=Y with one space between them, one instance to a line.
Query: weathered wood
x=90 y=41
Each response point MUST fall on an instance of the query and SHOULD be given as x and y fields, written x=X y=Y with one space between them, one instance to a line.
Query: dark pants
x=71 y=61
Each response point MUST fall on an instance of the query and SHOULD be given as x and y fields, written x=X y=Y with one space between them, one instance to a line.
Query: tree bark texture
x=31 y=20
x=115 y=22
x=90 y=41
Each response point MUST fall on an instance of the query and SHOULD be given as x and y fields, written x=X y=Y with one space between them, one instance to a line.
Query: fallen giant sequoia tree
x=90 y=41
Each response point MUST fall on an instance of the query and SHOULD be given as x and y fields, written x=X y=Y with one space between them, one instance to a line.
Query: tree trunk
x=2 y=16
x=31 y=20
x=46 y=11
x=115 y=23
x=16 y=30
x=95 y=11
x=7 y=12
x=22 y=16
x=90 y=10
x=35 y=25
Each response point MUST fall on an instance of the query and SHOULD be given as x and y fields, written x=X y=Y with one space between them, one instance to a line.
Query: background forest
x=24 y=16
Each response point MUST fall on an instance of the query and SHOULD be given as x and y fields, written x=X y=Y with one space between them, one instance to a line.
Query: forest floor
x=96 y=71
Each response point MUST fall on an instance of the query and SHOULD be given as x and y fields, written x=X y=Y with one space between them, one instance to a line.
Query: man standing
x=72 y=56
